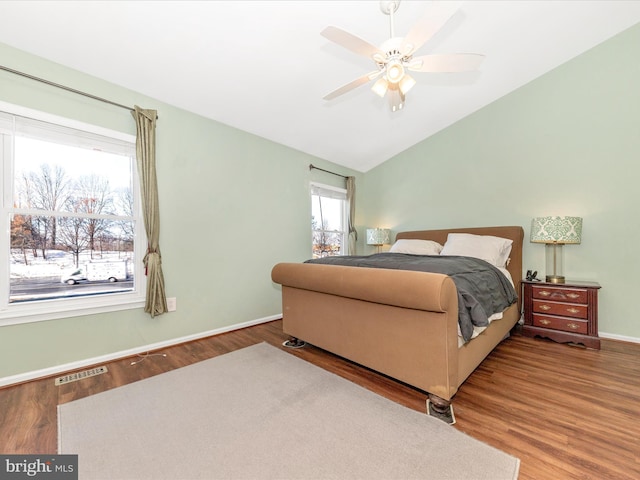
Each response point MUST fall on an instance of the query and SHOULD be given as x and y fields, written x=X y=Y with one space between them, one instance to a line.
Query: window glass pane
x=88 y=257
x=328 y=210
x=55 y=177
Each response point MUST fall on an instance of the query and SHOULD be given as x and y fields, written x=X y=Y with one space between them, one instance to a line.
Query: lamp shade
x=378 y=236
x=560 y=230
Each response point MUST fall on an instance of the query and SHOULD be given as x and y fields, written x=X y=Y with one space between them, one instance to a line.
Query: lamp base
x=554 y=279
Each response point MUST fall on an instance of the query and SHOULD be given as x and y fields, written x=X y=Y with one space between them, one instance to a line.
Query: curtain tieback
x=145 y=260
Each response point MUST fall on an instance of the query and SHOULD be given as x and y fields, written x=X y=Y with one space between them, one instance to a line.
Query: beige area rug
x=261 y=413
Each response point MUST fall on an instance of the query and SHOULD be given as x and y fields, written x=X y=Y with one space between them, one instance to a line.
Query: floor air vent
x=72 y=377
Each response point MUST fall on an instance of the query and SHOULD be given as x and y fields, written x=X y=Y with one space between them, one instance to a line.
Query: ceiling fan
x=394 y=58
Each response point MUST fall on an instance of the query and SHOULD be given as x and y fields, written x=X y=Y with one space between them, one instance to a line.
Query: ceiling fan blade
x=351 y=85
x=350 y=41
x=427 y=26
x=446 y=63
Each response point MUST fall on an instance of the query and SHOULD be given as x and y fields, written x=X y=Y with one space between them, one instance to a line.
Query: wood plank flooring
x=566 y=412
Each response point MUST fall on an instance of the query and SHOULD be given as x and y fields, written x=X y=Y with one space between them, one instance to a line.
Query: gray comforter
x=482 y=289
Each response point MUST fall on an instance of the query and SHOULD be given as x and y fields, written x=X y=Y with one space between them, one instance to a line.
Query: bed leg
x=440 y=408
x=294 y=342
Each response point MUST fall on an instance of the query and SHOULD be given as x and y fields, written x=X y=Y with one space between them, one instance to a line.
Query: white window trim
x=43 y=310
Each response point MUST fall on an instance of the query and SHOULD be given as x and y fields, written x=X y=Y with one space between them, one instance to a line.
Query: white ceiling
x=263 y=67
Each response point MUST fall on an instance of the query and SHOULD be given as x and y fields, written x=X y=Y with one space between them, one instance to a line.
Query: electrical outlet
x=171 y=304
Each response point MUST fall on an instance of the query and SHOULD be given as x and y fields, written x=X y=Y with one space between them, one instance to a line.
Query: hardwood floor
x=566 y=412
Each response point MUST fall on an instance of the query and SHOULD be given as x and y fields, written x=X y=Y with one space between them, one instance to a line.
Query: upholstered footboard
x=400 y=323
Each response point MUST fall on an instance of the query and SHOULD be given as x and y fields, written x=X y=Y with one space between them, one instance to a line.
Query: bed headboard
x=513 y=233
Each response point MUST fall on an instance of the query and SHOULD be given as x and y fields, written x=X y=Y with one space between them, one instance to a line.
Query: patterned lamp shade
x=378 y=236
x=561 y=230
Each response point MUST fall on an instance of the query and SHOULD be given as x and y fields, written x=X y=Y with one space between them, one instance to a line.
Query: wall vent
x=72 y=377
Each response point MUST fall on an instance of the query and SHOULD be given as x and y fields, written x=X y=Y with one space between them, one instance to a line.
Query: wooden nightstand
x=564 y=312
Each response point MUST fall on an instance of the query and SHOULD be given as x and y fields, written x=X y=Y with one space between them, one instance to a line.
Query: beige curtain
x=156 y=301
x=351 y=199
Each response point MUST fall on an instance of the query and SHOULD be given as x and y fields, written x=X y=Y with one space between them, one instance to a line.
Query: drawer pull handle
x=573 y=310
x=558 y=295
x=573 y=326
x=545 y=307
x=545 y=322
x=545 y=293
x=573 y=295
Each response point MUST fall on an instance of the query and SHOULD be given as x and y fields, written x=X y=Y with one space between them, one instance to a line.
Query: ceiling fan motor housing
x=394 y=62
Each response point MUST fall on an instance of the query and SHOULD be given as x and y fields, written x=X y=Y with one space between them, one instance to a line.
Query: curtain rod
x=312 y=166
x=63 y=87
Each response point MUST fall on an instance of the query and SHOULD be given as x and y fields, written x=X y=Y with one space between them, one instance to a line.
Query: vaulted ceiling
x=263 y=67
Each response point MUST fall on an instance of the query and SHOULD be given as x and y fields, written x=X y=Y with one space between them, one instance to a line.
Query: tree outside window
x=328 y=220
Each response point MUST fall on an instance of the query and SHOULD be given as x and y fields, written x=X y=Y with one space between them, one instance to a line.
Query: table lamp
x=378 y=237
x=555 y=232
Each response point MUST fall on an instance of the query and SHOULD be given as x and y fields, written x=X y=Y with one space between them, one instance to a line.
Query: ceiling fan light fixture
x=380 y=87
x=406 y=84
x=395 y=71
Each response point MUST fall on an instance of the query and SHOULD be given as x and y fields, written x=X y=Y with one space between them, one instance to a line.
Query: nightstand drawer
x=560 y=294
x=559 y=323
x=564 y=309
x=565 y=312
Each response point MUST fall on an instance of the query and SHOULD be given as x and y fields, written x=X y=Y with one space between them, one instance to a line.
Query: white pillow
x=416 y=247
x=494 y=250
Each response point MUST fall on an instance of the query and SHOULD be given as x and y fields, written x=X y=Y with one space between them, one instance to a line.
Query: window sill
x=51 y=310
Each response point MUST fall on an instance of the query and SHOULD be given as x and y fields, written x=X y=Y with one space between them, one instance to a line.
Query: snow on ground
x=56 y=262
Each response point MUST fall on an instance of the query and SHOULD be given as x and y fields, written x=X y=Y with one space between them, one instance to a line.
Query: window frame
x=50 y=309
x=344 y=232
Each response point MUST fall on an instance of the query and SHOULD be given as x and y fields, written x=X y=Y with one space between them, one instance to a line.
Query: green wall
x=232 y=206
x=567 y=143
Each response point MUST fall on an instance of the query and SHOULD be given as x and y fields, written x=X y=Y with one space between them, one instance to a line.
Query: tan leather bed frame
x=403 y=324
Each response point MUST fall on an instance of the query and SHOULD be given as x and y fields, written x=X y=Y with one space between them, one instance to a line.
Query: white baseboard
x=47 y=372
x=621 y=338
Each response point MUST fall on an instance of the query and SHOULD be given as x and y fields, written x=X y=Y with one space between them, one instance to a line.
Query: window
x=69 y=219
x=328 y=220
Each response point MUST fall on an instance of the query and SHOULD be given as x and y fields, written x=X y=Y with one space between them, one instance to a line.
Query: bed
x=401 y=323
